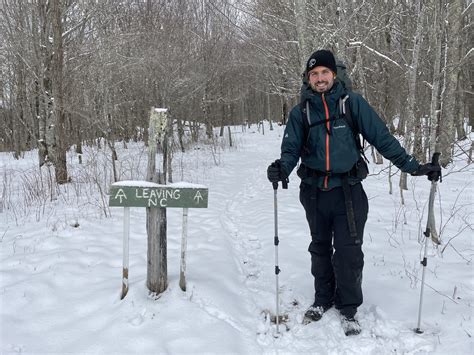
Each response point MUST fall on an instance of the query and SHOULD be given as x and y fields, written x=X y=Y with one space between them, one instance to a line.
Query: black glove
x=433 y=171
x=275 y=173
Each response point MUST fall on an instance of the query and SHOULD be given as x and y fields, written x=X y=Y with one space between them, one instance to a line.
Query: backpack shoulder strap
x=307 y=124
x=346 y=113
x=306 y=121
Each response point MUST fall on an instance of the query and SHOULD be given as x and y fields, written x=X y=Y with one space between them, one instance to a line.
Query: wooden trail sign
x=132 y=194
x=148 y=194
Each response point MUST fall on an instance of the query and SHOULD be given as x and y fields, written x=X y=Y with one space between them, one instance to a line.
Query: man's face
x=321 y=79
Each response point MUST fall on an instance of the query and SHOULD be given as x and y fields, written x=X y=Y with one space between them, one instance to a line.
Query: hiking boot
x=314 y=313
x=350 y=326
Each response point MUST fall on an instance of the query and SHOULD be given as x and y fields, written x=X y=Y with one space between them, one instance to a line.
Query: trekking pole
x=276 y=241
x=427 y=233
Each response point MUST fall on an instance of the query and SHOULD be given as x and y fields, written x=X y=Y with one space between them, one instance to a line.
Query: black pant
x=337 y=259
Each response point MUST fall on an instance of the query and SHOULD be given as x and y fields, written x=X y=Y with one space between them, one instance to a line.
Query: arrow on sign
x=120 y=195
x=198 y=197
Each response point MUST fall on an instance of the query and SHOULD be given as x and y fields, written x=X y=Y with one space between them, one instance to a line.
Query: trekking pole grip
x=435 y=162
x=275 y=185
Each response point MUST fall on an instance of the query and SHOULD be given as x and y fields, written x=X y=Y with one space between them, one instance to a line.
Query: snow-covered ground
x=61 y=262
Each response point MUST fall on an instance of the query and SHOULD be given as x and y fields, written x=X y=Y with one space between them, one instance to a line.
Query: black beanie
x=323 y=58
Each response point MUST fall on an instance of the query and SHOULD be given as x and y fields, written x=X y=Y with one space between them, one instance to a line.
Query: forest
x=84 y=72
x=198 y=93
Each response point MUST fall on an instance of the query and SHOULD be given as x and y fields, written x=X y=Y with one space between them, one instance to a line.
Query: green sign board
x=154 y=195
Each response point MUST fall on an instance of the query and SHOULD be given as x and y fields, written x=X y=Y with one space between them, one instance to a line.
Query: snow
x=136 y=183
x=61 y=262
x=144 y=183
x=186 y=185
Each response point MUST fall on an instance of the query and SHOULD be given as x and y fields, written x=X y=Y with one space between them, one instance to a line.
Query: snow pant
x=337 y=259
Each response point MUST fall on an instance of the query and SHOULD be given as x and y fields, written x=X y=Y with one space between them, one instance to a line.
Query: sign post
x=157 y=264
x=184 y=238
x=126 y=238
x=148 y=194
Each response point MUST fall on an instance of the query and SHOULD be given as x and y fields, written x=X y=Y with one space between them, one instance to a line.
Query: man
x=331 y=192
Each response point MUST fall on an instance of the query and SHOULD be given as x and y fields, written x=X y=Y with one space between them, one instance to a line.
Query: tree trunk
x=412 y=78
x=437 y=44
x=360 y=74
x=447 y=126
x=269 y=111
x=207 y=116
x=230 y=136
x=221 y=130
x=413 y=120
x=469 y=155
x=60 y=148
x=19 y=120
x=301 y=30
x=42 y=48
x=284 y=108
x=180 y=134
x=458 y=109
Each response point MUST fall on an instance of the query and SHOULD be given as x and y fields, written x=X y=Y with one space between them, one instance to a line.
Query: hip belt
x=304 y=171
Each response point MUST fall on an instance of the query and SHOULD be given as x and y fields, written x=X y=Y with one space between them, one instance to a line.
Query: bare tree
x=57 y=66
x=447 y=124
x=87 y=72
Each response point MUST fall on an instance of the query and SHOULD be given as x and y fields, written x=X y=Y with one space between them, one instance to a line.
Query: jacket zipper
x=328 y=126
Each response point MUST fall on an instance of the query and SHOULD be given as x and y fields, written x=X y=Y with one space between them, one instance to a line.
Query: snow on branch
x=358 y=44
x=466 y=10
x=468 y=54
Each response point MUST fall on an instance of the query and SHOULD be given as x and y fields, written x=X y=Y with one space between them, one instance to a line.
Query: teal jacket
x=331 y=145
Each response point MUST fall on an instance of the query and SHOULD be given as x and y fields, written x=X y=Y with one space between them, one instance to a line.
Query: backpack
x=345 y=110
